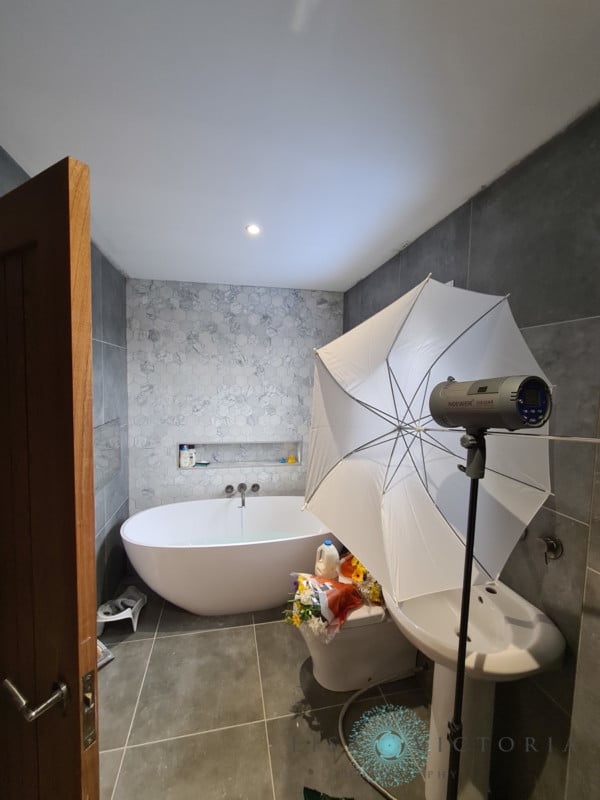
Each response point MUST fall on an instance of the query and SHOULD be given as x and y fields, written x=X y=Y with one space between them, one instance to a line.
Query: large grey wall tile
x=594 y=551
x=99 y=511
x=97 y=324
x=535 y=231
x=556 y=588
x=584 y=766
x=98 y=382
x=530 y=745
x=353 y=306
x=113 y=305
x=117 y=488
x=442 y=251
x=567 y=353
x=381 y=288
x=11 y=174
x=110 y=556
x=115 y=383
x=107 y=454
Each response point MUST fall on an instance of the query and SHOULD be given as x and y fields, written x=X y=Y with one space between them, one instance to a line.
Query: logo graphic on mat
x=389 y=744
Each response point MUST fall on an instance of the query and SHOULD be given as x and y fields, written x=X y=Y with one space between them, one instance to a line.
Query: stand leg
x=455 y=725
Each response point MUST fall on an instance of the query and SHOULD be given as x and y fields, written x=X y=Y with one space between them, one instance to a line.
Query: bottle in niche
x=187 y=456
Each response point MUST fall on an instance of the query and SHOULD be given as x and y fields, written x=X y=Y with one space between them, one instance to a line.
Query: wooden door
x=47 y=551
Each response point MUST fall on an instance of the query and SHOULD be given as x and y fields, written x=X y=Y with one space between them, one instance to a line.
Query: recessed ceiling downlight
x=253 y=229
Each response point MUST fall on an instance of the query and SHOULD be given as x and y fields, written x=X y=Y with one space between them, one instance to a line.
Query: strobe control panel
x=512 y=402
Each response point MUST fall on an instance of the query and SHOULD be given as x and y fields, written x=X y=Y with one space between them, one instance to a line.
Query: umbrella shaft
x=455 y=724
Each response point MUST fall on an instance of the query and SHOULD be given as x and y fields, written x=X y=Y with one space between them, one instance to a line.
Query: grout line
x=559 y=322
x=111 y=344
x=196 y=733
x=206 y=630
x=294 y=714
x=262 y=697
x=562 y=514
x=137 y=702
x=270 y=622
x=551 y=698
x=595 y=571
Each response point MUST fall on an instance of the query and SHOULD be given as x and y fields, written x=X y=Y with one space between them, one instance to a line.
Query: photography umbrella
x=383 y=478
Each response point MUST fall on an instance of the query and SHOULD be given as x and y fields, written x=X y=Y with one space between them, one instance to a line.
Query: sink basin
x=508 y=637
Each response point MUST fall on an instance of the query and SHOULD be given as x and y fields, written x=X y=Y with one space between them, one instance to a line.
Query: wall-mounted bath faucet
x=242 y=490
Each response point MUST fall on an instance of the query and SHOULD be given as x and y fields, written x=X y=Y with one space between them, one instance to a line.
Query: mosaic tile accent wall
x=211 y=363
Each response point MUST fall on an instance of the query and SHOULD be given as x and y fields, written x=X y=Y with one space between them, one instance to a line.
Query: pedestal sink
x=508 y=639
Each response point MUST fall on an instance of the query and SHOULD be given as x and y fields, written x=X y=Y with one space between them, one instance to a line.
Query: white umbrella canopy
x=383 y=479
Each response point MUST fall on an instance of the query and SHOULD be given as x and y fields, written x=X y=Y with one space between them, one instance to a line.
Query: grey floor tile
x=119 y=684
x=199 y=681
x=270 y=615
x=109 y=767
x=308 y=753
x=210 y=766
x=176 y=620
x=286 y=673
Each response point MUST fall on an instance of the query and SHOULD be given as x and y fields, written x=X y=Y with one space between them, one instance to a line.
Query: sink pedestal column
x=477 y=720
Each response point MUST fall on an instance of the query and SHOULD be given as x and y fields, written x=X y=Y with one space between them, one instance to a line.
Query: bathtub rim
x=323 y=530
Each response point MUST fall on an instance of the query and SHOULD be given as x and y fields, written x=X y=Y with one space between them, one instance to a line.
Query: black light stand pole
x=474 y=442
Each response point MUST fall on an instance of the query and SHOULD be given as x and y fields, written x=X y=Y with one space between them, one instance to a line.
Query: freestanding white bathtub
x=214 y=557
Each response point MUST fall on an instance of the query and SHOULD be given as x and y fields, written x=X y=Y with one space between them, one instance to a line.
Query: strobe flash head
x=516 y=401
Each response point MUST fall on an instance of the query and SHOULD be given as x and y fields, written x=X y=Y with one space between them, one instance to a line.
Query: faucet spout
x=242 y=490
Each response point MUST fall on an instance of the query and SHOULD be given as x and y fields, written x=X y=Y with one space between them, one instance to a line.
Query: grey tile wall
x=534 y=234
x=216 y=364
x=583 y=772
x=11 y=174
x=109 y=358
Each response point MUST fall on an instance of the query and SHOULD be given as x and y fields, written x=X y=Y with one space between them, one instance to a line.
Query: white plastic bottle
x=328 y=559
x=186 y=458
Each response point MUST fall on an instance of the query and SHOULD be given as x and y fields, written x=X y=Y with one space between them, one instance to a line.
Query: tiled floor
x=225 y=707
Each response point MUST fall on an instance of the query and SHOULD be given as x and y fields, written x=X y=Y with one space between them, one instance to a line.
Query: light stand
x=474 y=441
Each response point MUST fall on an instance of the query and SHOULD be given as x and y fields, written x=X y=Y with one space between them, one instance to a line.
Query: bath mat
x=312 y=794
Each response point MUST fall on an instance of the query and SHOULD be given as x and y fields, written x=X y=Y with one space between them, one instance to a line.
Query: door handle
x=59 y=695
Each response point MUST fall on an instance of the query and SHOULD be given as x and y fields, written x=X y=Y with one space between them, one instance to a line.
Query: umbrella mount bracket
x=474 y=443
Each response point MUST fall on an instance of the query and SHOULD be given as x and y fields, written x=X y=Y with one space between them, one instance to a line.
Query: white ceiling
x=345 y=128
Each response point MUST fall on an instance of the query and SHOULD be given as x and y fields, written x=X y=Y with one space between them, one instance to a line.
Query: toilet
x=367 y=649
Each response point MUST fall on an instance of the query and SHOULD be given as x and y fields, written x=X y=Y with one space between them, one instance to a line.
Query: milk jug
x=328 y=558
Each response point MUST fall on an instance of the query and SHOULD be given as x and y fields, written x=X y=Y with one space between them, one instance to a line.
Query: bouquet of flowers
x=322 y=605
x=370 y=590
x=305 y=607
